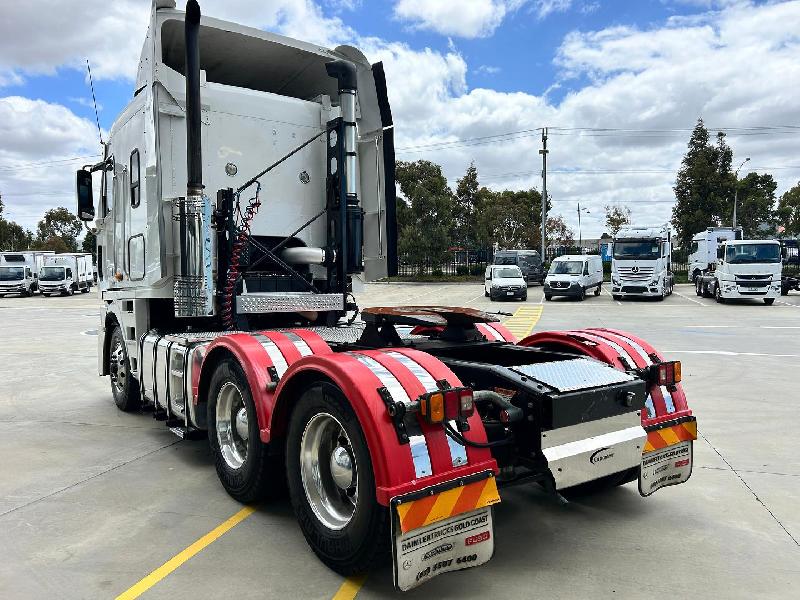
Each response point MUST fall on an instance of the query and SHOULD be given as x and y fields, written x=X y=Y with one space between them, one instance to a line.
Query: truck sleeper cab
x=573 y=276
x=225 y=310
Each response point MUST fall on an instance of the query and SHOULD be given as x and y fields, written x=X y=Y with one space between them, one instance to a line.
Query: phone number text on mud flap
x=445 y=531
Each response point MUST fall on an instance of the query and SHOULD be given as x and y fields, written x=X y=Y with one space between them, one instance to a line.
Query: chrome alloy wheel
x=329 y=472
x=232 y=425
x=116 y=365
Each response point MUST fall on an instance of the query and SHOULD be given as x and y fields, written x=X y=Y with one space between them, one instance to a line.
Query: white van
x=572 y=275
x=505 y=281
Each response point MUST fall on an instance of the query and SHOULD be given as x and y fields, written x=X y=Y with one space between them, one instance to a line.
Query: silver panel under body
x=574 y=374
x=269 y=302
x=587 y=451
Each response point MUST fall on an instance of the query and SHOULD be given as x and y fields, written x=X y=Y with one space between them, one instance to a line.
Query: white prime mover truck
x=703 y=250
x=19 y=271
x=228 y=312
x=66 y=273
x=641 y=262
x=744 y=269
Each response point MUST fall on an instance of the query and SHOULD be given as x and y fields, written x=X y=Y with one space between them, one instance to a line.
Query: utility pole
x=543 y=152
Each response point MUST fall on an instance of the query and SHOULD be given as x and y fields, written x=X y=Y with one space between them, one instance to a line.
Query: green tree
x=704 y=185
x=756 y=204
x=89 y=243
x=616 y=217
x=465 y=209
x=59 y=223
x=13 y=236
x=509 y=219
x=788 y=213
x=558 y=233
x=425 y=217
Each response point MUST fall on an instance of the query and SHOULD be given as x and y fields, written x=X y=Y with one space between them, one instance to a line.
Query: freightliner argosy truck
x=253 y=191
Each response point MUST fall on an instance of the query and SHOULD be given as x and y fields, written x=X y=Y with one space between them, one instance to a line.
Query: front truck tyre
x=244 y=467
x=331 y=483
x=123 y=386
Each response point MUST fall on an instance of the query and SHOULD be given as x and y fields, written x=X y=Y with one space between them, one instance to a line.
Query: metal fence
x=457 y=262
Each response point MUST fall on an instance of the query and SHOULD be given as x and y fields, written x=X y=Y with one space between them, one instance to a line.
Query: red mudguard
x=297 y=355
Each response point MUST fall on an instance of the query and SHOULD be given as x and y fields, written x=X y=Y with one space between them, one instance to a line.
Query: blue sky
x=456 y=71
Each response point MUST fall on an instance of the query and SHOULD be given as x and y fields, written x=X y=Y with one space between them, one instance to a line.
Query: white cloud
x=488 y=70
x=36 y=132
x=465 y=18
x=545 y=8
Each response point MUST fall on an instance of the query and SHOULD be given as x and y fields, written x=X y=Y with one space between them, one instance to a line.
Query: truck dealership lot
x=93 y=500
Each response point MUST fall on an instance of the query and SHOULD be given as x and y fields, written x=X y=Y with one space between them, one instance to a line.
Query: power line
x=45 y=163
x=597 y=132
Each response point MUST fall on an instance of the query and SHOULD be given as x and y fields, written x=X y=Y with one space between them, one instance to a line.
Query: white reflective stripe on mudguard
x=491 y=331
x=641 y=351
x=302 y=347
x=418 y=445
x=458 y=453
x=648 y=403
x=275 y=354
x=497 y=335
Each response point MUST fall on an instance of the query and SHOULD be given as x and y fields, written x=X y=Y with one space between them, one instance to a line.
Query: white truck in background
x=66 y=273
x=641 y=263
x=19 y=271
x=703 y=251
x=744 y=269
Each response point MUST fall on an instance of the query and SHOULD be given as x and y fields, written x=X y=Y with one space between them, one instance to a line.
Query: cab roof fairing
x=242 y=56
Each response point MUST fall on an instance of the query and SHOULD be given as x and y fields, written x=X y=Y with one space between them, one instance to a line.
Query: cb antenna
x=94 y=100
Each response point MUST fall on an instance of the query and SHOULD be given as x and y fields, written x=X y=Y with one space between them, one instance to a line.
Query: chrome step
x=287 y=302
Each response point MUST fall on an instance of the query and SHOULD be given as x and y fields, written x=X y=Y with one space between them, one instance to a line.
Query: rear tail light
x=447 y=405
x=668 y=373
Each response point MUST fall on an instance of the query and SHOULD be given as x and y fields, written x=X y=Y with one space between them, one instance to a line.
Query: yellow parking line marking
x=176 y=561
x=524 y=319
x=350 y=588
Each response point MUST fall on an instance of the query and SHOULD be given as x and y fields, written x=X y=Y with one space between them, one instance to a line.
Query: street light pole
x=580 y=231
x=736 y=189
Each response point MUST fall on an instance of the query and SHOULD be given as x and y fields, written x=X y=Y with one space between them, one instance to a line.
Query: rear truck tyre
x=485 y=293
x=784 y=290
x=123 y=386
x=598 y=289
x=548 y=297
x=85 y=290
x=616 y=297
x=769 y=301
x=602 y=484
x=718 y=295
x=695 y=275
x=242 y=460
x=331 y=483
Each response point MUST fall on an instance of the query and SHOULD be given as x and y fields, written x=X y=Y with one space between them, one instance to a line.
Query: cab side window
x=134 y=170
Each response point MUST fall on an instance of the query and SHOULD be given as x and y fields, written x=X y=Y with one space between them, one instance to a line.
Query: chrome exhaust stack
x=194 y=285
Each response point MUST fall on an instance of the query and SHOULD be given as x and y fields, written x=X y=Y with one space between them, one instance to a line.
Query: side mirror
x=85 y=198
x=784 y=253
x=721 y=252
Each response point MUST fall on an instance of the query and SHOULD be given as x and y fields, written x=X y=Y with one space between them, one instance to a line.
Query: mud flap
x=669 y=466
x=441 y=529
